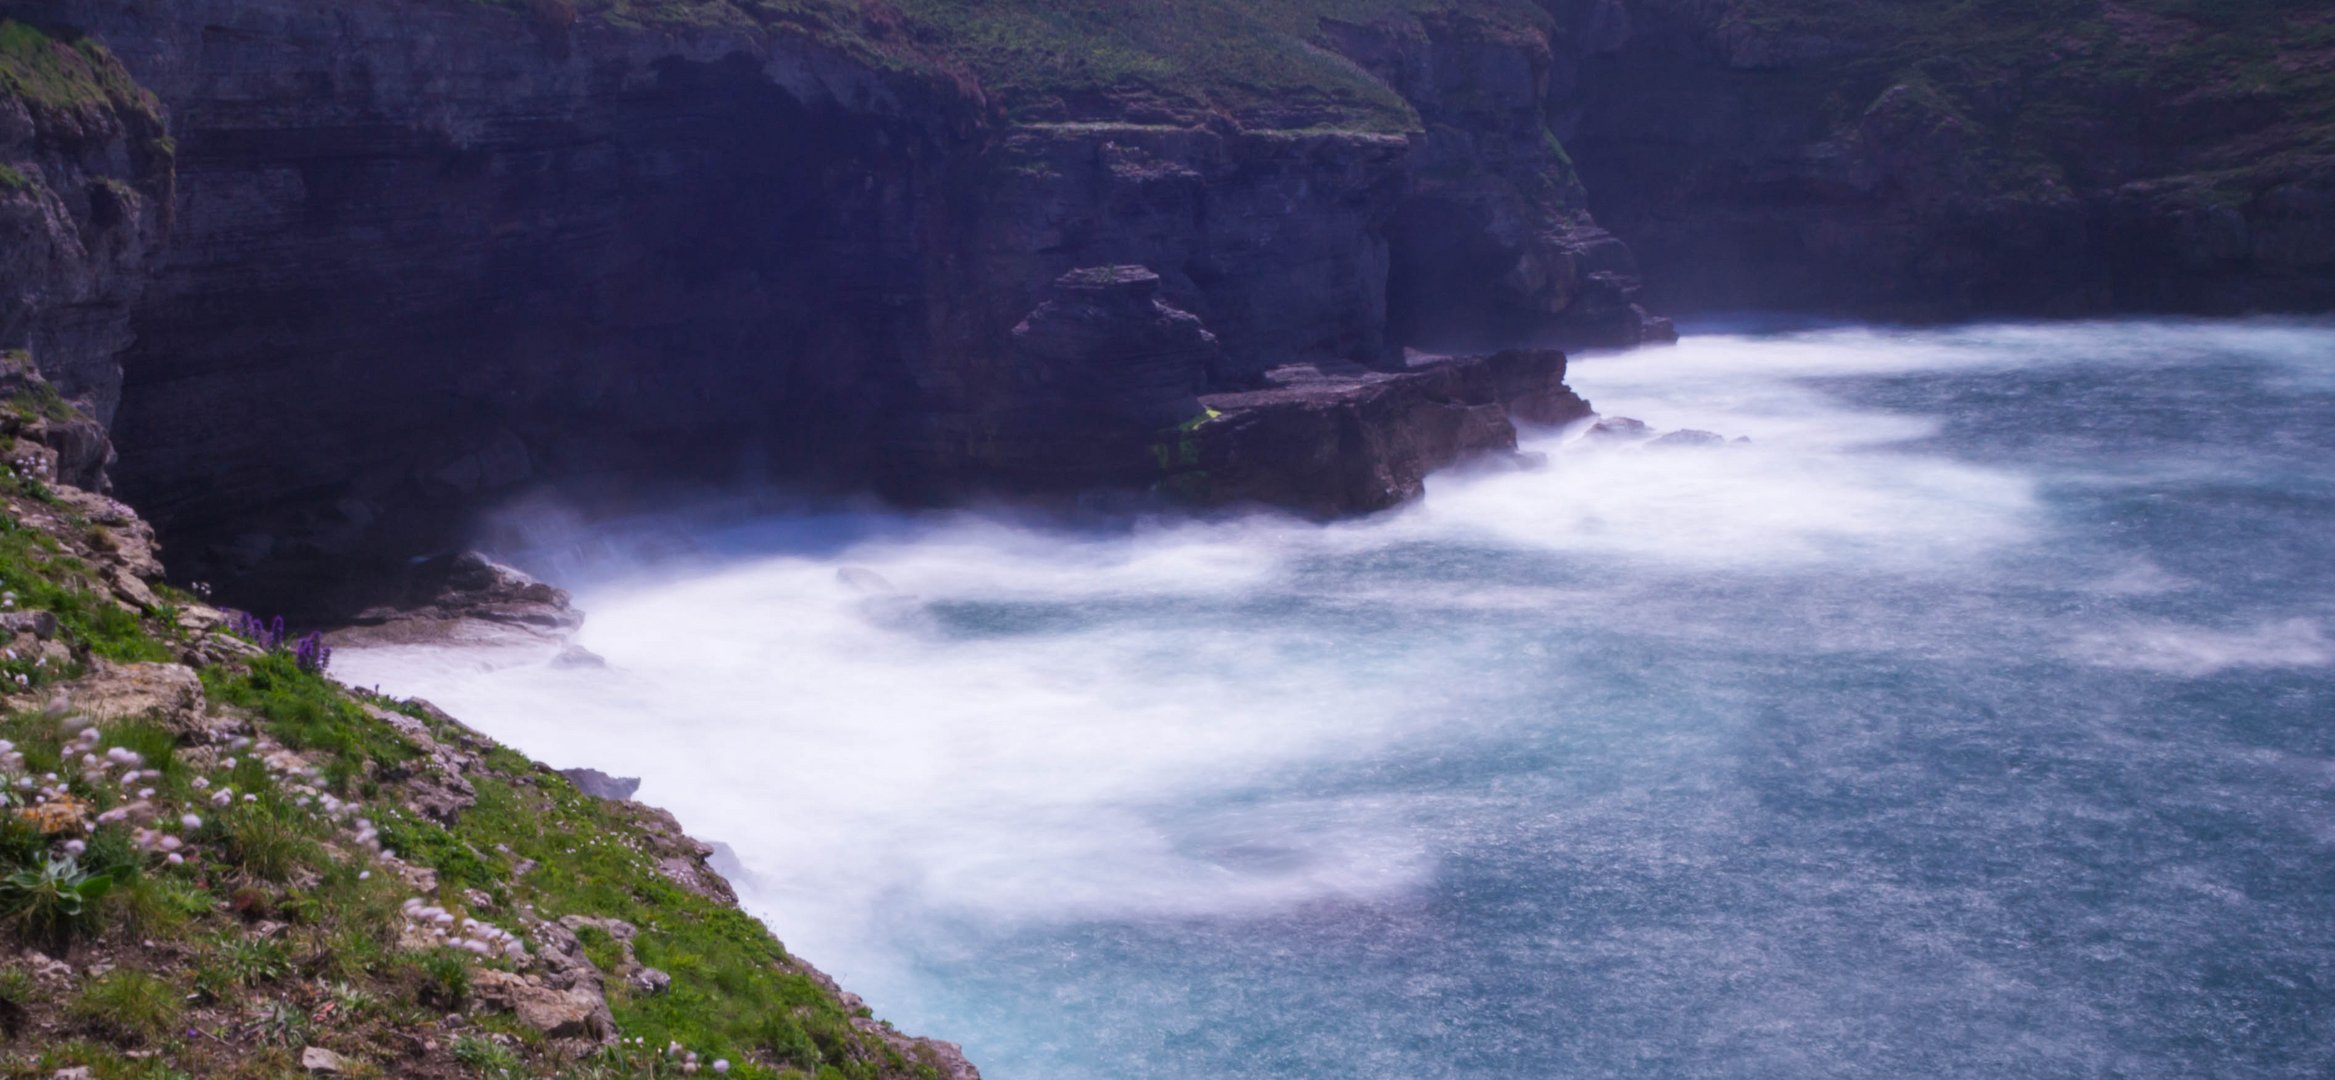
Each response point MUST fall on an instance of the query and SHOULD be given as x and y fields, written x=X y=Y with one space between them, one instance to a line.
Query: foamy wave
x=2194 y=651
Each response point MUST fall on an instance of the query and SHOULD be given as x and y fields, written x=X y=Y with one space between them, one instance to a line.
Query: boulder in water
x=1690 y=438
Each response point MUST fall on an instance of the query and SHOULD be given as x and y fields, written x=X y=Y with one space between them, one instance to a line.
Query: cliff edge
x=217 y=861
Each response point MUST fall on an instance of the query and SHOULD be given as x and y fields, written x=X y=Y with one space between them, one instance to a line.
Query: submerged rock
x=1690 y=438
x=1620 y=429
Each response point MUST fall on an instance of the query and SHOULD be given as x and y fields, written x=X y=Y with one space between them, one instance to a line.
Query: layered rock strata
x=429 y=254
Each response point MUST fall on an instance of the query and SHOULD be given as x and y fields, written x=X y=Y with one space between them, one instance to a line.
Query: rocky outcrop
x=1492 y=243
x=1343 y=440
x=465 y=597
x=85 y=202
x=1103 y=362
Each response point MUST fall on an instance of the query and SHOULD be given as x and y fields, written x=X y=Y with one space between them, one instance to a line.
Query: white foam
x=2193 y=651
x=883 y=766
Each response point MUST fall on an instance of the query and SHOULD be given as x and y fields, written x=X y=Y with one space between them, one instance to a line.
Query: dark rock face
x=432 y=254
x=1491 y=244
x=1765 y=154
x=1342 y=440
x=85 y=203
x=1104 y=363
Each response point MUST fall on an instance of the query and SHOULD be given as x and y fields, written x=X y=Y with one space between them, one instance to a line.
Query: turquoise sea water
x=1975 y=719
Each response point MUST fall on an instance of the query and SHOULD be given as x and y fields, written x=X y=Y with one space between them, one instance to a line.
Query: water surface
x=1975 y=719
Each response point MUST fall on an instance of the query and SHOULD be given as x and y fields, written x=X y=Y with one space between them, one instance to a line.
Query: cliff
x=1914 y=159
x=424 y=255
x=342 y=275
x=217 y=861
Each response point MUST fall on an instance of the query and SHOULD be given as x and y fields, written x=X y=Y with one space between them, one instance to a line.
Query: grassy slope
x=281 y=925
x=66 y=75
x=2222 y=88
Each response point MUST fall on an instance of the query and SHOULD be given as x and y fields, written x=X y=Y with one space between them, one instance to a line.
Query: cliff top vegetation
x=2224 y=89
x=63 y=74
x=1261 y=63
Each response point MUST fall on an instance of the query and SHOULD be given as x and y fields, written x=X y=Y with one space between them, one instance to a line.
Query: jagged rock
x=577 y=1013
x=563 y=954
x=466 y=598
x=1620 y=429
x=1110 y=346
x=170 y=693
x=434 y=788
x=1689 y=437
x=681 y=858
x=40 y=624
x=725 y=861
x=600 y=785
x=648 y=980
x=317 y=1059
x=1328 y=439
x=1101 y=364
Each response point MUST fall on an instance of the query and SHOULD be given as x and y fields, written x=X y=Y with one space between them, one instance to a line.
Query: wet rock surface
x=1330 y=440
x=466 y=598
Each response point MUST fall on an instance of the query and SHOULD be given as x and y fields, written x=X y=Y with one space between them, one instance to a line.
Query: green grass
x=129 y=1005
x=43 y=577
x=68 y=75
x=311 y=712
x=732 y=991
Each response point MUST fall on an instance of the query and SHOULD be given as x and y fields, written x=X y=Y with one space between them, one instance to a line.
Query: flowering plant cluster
x=309 y=651
x=261 y=632
x=462 y=932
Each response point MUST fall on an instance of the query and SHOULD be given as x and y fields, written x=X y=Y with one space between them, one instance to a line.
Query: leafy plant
x=488 y=1057
x=445 y=979
x=281 y=1023
x=250 y=961
x=16 y=993
x=54 y=901
x=265 y=845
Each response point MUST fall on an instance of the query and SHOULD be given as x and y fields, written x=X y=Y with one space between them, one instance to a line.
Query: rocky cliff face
x=1925 y=160
x=430 y=253
x=85 y=201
